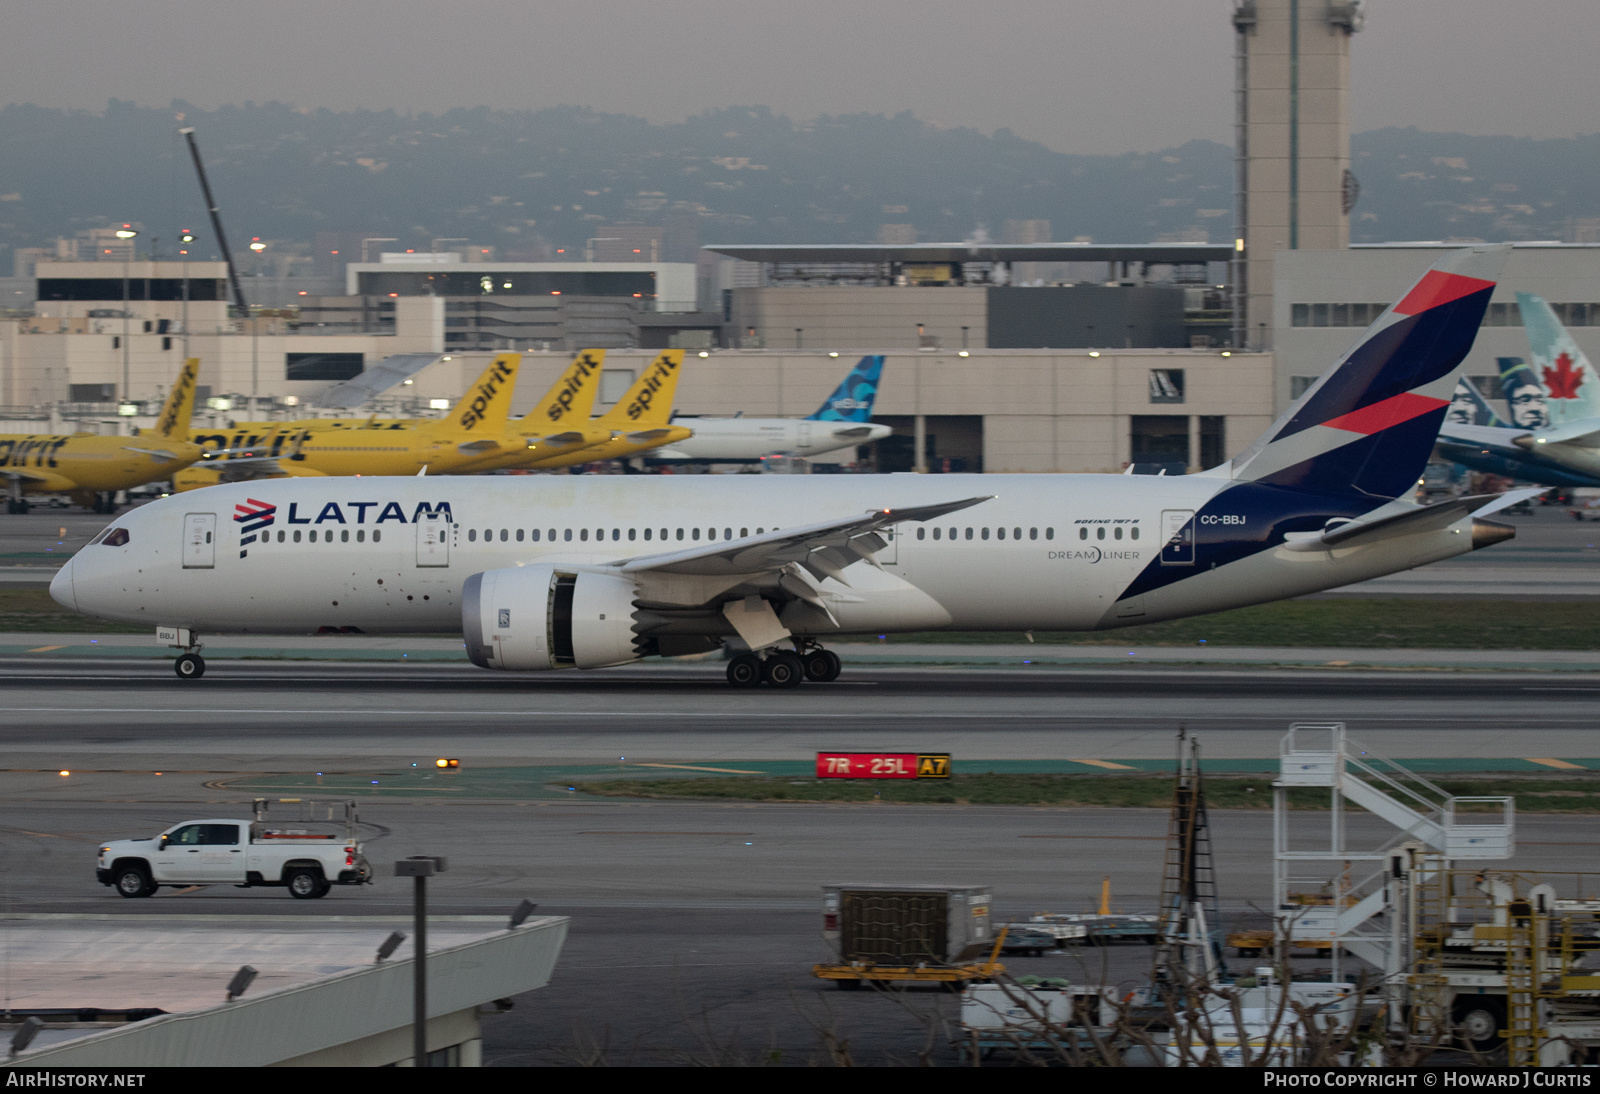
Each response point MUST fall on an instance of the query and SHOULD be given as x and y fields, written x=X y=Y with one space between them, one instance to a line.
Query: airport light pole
x=419 y=868
x=255 y=336
x=127 y=235
x=186 y=237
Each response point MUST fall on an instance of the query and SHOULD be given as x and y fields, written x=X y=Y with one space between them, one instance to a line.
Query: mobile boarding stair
x=1351 y=899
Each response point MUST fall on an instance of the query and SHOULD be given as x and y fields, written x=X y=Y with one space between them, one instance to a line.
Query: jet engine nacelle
x=532 y=618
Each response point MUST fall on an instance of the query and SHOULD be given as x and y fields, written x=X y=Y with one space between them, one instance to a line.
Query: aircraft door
x=1177 y=537
x=433 y=540
x=805 y=435
x=199 y=541
x=890 y=555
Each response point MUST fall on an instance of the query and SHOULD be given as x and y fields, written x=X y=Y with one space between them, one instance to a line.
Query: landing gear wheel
x=134 y=882
x=744 y=671
x=821 y=666
x=306 y=884
x=1478 y=1020
x=189 y=666
x=782 y=670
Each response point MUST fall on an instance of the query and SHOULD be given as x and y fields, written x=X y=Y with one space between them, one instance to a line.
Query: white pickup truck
x=291 y=854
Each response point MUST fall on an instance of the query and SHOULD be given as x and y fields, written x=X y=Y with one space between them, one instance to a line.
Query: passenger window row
x=1116 y=533
x=327 y=536
x=983 y=533
x=566 y=535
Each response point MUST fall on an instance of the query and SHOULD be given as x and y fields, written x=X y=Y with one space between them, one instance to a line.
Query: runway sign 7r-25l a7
x=883 y=765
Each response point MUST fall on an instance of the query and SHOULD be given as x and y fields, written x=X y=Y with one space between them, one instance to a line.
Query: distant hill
x=527 y=182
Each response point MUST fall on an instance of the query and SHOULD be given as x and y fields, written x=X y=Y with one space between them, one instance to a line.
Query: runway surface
x=297 y=716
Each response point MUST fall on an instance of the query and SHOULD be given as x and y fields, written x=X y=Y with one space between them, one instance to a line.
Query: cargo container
x=907 y=924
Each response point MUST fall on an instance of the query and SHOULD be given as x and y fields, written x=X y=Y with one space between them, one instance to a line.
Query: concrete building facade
x=1324 y=299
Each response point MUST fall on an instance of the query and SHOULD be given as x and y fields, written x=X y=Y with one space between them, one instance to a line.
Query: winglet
x=174 y=420
x=648 y=403
x=487 y=404
x=571 y=398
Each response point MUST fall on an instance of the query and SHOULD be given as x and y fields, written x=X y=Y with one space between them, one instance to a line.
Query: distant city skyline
x=1076 y=76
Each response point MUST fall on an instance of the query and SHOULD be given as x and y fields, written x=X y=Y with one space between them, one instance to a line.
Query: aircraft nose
x=61 y=590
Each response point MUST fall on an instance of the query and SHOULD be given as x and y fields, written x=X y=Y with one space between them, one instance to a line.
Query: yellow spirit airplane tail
x=485 y=408
x=648 y=403
x=571 y=400
x=174 y=421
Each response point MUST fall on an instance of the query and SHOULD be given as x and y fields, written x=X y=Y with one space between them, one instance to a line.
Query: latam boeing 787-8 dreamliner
x=550 y=572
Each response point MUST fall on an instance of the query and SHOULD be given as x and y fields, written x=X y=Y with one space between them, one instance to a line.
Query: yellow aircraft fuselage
x=56 y=463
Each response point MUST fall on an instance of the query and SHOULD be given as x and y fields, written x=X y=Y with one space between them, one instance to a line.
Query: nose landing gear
x=189 y=665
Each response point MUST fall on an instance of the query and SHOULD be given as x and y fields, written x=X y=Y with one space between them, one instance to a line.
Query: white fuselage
x=736 y=439
x=1045 y=552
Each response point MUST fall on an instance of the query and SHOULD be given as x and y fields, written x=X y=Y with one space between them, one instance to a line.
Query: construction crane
x=216 y=220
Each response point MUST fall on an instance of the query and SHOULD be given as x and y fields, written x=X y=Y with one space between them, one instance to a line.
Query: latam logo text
x=577 y=376
x=356 y=512
x=251 y=517
x=481 y=398
x=660 y=372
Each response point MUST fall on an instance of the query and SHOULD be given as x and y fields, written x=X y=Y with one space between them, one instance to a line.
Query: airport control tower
x=1294 y=188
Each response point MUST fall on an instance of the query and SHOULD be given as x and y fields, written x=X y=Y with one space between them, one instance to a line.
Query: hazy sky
x=1078 y=75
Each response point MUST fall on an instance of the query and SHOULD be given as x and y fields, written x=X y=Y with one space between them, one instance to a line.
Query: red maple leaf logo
x=1563 y=381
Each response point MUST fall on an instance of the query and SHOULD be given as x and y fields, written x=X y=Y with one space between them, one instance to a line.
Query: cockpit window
x=117 y=537
x=98 y=538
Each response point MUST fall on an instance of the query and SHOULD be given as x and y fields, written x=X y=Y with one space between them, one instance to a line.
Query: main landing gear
x=783 y=669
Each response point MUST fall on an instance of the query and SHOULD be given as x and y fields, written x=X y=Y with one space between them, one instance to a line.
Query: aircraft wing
x=485 y=445
x=824 y=548
x=740 y=579
x=22 y=473
x=1582 y=434
x=1422 y=518
x=161 y=454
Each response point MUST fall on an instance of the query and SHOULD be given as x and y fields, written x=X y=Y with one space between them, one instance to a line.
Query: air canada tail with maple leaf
x=1572 y=389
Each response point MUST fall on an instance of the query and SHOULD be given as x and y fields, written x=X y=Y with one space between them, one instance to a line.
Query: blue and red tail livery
x=1368 y=425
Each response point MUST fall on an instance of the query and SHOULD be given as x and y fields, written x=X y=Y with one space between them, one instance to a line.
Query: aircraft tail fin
x=179 y=407
x=1571 y=387
x=486 y=406
x=1368 y=425
x=851 y=401
x=1469 y=407
x=648 y=403
x=571 y=398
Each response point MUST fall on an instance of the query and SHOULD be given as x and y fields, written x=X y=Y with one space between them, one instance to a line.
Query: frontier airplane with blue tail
x=554 y=572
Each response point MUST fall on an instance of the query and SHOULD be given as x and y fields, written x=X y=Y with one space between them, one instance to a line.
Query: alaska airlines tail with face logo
x=851 y=401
